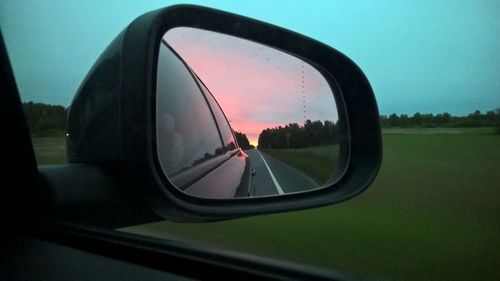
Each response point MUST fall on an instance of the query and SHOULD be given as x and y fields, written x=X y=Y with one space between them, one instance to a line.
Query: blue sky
x=425 y=56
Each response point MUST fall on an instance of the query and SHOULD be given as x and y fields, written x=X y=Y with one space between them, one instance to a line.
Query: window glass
x=186 y=131
x=225 y=129
x=433 y=211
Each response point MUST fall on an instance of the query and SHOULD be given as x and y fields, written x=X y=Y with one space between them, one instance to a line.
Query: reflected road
x=276 y=177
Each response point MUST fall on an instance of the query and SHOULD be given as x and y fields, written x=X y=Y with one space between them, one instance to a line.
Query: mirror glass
x=235 y=118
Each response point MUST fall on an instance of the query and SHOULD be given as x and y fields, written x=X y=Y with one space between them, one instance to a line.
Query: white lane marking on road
x=278 y=186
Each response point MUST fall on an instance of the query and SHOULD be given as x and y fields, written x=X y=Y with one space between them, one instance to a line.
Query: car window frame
x=208 y=92
x=184 y=178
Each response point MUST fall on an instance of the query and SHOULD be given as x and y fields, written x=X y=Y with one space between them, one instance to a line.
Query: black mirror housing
x=112 y=118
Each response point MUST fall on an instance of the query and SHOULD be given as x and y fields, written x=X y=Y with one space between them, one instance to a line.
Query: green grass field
x=433 y=213
x=439 y=131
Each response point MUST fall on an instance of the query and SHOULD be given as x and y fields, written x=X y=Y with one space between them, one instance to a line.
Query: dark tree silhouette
x=418 y=120
x=242 y=140
x=45 y=119
x=50 y=120
x=312 y=133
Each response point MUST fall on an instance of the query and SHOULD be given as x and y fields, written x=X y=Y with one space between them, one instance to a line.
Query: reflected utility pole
x=303 y=92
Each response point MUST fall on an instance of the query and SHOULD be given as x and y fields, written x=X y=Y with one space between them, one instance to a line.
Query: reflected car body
x=232 y=179
x=196 y=158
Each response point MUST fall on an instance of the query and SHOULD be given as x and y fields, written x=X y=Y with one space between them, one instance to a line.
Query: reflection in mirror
x=236 y=118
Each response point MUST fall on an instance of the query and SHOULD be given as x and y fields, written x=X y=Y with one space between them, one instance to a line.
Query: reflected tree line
x=218 y=151
x=242 y=140
x=293 y=135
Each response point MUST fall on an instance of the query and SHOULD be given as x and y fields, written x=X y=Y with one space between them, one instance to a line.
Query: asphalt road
x=275 y=177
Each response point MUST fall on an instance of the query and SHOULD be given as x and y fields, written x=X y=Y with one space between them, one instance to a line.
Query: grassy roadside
x=440 y=131
x=431 y=214
x=50 y=150
x=319 y=163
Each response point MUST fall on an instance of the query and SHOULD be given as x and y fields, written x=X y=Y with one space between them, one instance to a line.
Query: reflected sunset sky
x=257 y=87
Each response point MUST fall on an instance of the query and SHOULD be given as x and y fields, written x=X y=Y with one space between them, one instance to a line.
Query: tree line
x=50 y=120
x=45 y=119
x=293 y=135
x=476 y=119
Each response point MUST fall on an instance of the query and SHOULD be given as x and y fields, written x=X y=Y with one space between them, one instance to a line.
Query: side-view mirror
x=206 y=78
x=213 y=115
